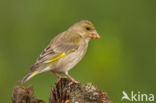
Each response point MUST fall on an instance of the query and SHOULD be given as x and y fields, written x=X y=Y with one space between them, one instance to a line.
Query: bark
x=24 y=95
x=63 y=92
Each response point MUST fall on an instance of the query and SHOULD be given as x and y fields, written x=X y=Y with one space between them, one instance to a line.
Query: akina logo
x=137 y=96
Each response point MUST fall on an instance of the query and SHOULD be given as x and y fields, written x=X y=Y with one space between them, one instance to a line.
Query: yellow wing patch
x=57 y=57
x=35 y=73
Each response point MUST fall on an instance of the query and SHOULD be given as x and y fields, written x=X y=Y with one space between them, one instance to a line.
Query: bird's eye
x=88 y=28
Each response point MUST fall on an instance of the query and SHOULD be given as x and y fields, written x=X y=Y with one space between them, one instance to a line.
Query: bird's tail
x=27 y=77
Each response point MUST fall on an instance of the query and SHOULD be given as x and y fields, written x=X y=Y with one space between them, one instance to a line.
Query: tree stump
x=62 y=92
x=24 y=95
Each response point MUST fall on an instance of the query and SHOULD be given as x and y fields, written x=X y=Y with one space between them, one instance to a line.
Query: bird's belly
x=68 y=62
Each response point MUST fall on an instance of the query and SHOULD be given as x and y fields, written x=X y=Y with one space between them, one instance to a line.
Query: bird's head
x=86 y=30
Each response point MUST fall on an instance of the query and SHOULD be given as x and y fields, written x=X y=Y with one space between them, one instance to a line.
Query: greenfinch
x=64 y=51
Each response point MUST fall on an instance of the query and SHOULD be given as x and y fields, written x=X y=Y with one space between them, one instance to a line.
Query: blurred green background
x=123 y=59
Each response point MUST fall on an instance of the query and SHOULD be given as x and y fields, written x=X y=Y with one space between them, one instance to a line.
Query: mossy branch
x=62 y=92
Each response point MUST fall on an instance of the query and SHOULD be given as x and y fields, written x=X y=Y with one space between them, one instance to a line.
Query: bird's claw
x=73 y=82
x=59 y=78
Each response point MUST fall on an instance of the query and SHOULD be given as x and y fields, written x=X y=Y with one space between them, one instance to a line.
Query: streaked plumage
x=64 y=51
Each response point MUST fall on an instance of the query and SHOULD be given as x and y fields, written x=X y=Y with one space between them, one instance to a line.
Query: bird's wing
x=54 y=51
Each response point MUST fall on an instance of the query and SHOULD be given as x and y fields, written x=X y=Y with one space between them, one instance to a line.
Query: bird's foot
x=59 y=78
x=73 y=82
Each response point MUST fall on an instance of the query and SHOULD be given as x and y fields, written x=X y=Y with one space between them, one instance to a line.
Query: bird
x=64 y=51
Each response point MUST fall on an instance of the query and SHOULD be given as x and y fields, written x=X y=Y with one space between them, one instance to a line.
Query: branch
x=24 y=95
x=62 y=92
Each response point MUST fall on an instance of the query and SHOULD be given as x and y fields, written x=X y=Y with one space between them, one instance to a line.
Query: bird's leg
x=58 y=76
x=72 y=79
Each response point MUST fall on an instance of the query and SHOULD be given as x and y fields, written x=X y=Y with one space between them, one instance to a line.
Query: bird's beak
x=95 y=35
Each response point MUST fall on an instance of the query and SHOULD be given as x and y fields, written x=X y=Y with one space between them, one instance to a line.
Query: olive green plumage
x=64 y=51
